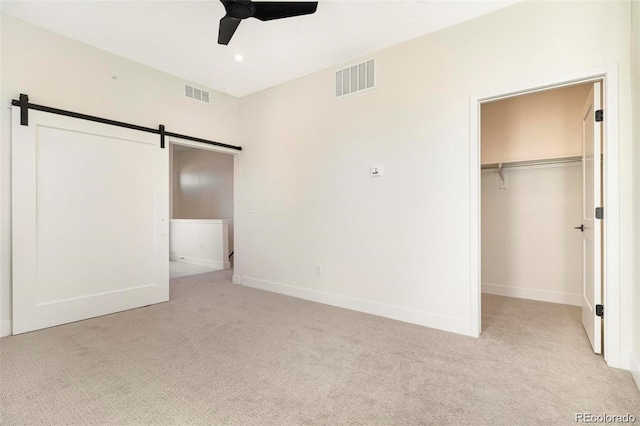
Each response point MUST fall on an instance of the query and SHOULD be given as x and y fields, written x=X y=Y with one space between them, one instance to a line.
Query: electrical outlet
x=201 y=246
x=250 y=208
x=318 y=269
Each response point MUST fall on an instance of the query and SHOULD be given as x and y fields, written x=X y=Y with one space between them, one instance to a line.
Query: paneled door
x=90 y=220
x=591 y=226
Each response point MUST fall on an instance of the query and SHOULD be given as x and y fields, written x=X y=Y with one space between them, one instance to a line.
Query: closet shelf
x=507 y=164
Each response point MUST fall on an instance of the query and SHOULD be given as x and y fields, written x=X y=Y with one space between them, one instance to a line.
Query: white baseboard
x=414 y=316
x=533 y=294
x=6 y=328
x=634 y=367
x=622 y=360
x=202 y=262
x=237 y=279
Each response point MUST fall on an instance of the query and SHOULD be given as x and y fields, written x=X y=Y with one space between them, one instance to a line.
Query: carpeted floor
x=181 y=269
x=223 y=354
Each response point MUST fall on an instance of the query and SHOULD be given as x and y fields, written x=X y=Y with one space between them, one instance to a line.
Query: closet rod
x=557 y=160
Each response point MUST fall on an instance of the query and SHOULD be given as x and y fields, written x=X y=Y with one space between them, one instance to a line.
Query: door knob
x=581 y=228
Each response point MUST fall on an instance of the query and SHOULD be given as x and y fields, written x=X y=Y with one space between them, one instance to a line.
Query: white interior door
x=591 y=235
x=90 y=220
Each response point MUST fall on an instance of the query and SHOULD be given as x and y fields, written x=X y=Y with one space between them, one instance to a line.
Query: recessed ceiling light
x=238 y=57
x=228 y=89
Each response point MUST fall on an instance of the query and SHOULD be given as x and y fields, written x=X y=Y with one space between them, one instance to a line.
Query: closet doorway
x=540 y=186
x=542 y=167
x=201 y=208
x=613 y=290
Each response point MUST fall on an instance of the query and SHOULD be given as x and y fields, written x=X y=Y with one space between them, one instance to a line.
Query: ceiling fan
x=237 y=10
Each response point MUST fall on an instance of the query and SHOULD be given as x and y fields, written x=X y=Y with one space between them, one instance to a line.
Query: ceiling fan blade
x=268 y=10
x=228 y=26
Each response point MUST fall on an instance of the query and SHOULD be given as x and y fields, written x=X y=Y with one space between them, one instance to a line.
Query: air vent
x=355 y=78
x=196 y=93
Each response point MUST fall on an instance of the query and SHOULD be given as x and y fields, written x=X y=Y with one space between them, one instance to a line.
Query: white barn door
x=90 y=220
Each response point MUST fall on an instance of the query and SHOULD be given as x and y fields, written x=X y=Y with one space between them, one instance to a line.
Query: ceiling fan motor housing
x=237 y=10
x=240 y=10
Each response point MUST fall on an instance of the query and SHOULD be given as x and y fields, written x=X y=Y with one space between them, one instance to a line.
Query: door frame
x=608 y=74
x=172 y=140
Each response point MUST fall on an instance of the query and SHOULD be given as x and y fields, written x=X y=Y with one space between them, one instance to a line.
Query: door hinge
x=599 y=115
x=600 y=310
x=599 y=212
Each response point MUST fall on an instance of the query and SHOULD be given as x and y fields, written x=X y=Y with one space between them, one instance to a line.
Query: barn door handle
x=581 y=228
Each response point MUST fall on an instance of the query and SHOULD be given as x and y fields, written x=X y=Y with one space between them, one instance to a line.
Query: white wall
x=200 y=242
x=539 y=125
x=399 y=245
x=635 y=70
x=59 y=72
x=203 y=186
x=529 y=246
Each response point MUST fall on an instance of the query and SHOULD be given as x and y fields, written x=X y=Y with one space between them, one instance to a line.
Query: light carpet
x=223 y=354
x=182 y=269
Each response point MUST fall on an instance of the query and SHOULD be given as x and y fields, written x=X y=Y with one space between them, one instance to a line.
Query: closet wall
x=529 y=246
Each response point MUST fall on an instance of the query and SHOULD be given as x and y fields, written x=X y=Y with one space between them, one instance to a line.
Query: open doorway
x=539 y=238
x=201 y=210
x=610 y=259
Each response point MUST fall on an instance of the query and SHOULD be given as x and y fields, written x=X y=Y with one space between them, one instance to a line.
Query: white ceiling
x=180 y=37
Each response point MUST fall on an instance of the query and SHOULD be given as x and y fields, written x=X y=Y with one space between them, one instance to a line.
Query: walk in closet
x=532 y=195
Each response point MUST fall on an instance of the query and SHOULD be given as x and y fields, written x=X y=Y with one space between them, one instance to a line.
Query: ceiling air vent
x=355 y=78
x=196 y=93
